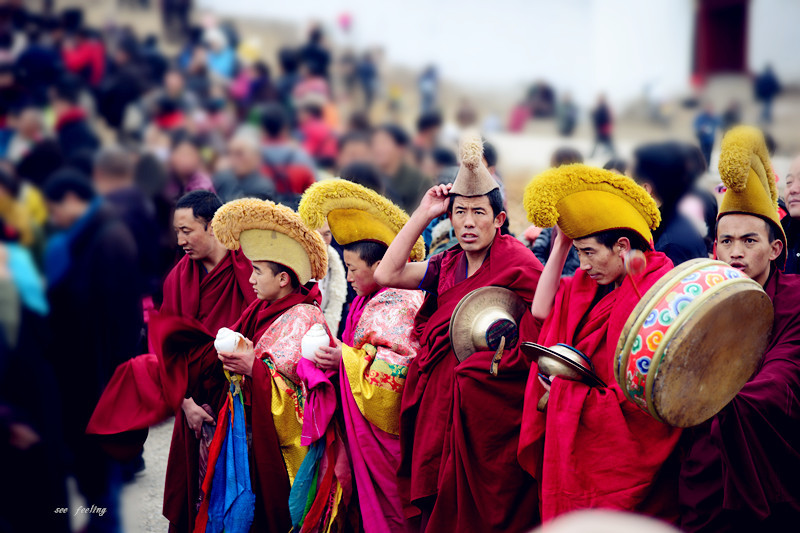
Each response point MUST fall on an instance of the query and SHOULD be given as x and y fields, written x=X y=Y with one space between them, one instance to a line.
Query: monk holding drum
x=592 y=447
x=742 y=472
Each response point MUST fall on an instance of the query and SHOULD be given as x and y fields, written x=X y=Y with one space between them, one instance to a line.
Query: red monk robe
x=743 y=471
x=136 y=398
x=459 y=426
x=189 y=350
x=593 y=448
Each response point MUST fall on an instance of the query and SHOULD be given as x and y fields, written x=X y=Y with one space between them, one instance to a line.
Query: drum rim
x=673 y=330
x=660 y=289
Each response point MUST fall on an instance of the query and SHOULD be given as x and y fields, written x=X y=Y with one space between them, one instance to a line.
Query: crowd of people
x=202 y=237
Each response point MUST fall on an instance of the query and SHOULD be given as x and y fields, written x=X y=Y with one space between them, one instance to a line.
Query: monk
x=459 y=425
x=742 y=471
x=592 y=447
x=377 y=346
x=209 y=284
x=299 y=466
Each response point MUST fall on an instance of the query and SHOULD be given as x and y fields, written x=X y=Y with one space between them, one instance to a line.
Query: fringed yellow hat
x=746 y=171
x=473 y=178
x=355 y=213
x=585 y=200
x=271 y=232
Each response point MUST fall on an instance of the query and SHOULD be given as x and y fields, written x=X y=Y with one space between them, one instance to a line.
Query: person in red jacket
x=592 y=447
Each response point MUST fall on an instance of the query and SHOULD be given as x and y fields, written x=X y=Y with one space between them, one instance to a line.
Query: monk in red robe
x=742 y=471
x=209 y=284
x=592 y=447
x=459 y=425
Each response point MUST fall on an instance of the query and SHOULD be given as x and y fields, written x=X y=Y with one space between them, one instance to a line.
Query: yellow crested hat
x=354 y=213
x=271 y=232
x=473 y=178
x=584 y=200
x=746 y=171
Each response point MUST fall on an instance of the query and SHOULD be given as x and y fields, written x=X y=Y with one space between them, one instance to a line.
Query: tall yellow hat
x=585 y=200
x=746 y=170
x=271 y=232
x=354 y=213
x=473 y=178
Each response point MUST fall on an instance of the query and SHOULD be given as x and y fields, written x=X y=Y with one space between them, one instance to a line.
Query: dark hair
x=398 y=134
x=202 y=203
x=610 y=237
x=669 y=167
x=315 y=110
x=315 y=36
x=277 y=268
x=352 y=137
x=182 y=136
x=83 y=160
x=359 y=122
x=447 y=158
x=9 y=183
x=566 y=155
x=289 y=60
x=429 y=120
x=67 y=88
x=65 y=181
x=273 y=120
x=495 y=201
x=369 y=251
x=615 y=163
x=490 y=154
x=769 y=140
x=364 y=174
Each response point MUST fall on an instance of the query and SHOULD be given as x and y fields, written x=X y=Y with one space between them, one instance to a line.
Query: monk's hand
x=196 y=416
x=560 y=240
x=328 y=357
x=434 y=203
x=239 y=362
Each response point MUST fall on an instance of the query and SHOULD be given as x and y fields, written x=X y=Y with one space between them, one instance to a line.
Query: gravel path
x=142 y=498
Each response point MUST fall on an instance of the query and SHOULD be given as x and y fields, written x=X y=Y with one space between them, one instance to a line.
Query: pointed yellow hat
x=473 y=178
x=746 y=171
x=271 y=232
x=354 y=213
x=584 y=200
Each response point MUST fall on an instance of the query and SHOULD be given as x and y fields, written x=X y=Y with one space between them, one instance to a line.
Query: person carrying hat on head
x=742 y=471
x=592 y=447
x=286 y=258
x=459 y=424
x=378 y=343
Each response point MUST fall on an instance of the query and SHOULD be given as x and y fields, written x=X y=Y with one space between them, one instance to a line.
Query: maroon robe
x=459 y=426
x=146 y=390
x=141 y=392
x=593 y=448
x=742 y=472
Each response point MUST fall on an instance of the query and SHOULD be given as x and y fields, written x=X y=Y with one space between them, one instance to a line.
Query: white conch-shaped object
x=314 y=339
x=229 y=341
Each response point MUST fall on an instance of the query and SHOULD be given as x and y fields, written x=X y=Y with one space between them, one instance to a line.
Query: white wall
x=642 y=43
x=774 y=37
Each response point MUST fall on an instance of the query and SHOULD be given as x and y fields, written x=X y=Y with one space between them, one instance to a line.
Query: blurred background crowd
x=105 y=124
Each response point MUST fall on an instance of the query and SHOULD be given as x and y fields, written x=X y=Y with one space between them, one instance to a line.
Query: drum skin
x=693 y=341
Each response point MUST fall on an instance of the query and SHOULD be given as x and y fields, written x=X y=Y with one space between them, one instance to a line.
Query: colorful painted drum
x=693 y=341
